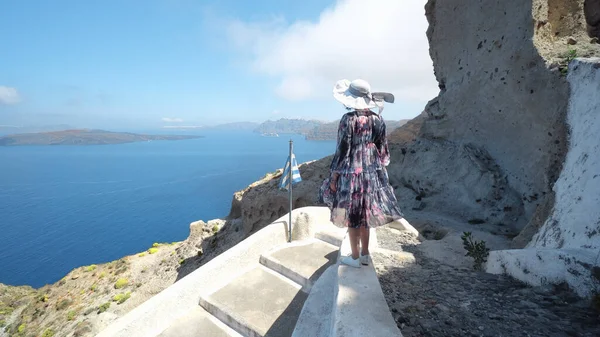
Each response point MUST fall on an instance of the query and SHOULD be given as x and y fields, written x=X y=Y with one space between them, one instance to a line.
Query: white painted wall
x=567 y=246
x=575 y=221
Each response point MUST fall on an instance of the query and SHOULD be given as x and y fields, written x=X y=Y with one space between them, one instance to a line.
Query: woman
x=358 y=191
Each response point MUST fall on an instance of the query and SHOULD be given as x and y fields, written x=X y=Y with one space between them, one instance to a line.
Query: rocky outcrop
x=263 y=202
x=491 y=145
x=498 y=96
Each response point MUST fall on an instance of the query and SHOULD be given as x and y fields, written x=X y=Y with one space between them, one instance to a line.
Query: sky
x=154 y=63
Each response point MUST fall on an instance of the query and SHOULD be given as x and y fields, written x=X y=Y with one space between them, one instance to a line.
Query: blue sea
x=62 y=207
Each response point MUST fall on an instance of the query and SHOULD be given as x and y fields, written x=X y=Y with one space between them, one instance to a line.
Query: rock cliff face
x=500 y=110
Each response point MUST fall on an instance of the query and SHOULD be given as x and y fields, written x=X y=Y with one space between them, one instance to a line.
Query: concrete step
x=333 y=236
x=259 y=303
x=302 y=262
x=198 y=323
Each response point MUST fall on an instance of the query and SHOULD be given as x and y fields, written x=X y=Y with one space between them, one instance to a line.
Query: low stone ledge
x=360 y=306
x=548 y=266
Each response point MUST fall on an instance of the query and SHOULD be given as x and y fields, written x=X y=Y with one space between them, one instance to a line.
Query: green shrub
x=2 y=323
x=5 y=310
x=71 y=315
x=568 y=57
x=571 y=55
x=90 y=268
x=142 y=254
x=156 y=244
x=48 y=333
x=475 y=249
x=103 y=307
x=94 y=287
x=63 y=304
x=120 y=298
x=182 y=261
x=43 y=298
x=21 y=328
x=215 y=228
x=122 y=282
x=102 y=274
x=152 y=250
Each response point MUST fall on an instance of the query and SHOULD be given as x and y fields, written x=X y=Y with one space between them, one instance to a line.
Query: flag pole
x=290 y=191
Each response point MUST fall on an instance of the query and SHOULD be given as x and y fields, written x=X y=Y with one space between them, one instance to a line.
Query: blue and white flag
x=286 y=173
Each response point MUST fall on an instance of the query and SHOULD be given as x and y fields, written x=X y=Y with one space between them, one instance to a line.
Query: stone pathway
x=430 y=298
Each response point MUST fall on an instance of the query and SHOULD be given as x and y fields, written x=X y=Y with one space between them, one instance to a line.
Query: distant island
x=312 y=129
x=82 y=137
x=236 y=126
x=285 y=125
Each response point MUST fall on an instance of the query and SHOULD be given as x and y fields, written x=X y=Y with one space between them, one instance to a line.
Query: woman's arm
x=381 y=143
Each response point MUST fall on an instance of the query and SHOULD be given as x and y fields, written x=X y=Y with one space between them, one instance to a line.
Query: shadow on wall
x=591 y=9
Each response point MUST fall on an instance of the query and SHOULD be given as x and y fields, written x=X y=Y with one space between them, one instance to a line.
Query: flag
x=286 y=173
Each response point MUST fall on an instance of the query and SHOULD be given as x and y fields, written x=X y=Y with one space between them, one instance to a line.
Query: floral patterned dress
x=363 y=196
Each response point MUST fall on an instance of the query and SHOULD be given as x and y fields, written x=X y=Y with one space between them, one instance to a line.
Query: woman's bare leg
x=354 y=234
x=364 y=240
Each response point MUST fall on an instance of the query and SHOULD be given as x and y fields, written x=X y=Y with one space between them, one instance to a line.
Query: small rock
x=421 y=206
x=528 y=305
x=450 y=322
x=442 y=307
x=572 y=41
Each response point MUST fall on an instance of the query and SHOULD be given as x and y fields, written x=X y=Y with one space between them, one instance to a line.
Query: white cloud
x=381 y=41
x=172 y=120
x=9 y=95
